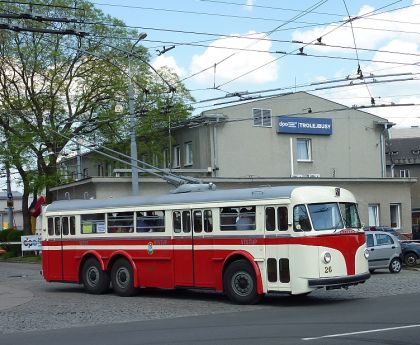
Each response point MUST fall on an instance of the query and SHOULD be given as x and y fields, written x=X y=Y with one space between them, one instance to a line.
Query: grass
x=27 y=258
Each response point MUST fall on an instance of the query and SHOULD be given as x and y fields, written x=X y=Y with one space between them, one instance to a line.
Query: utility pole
x=9 y=198
x=133 y=146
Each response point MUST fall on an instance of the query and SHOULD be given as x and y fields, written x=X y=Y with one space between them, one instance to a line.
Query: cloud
x=169 y=62
x=238 y=64
x=369 y=32
x=392 y=32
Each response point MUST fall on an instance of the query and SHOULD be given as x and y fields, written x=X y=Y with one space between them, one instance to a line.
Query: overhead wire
x=301 y=49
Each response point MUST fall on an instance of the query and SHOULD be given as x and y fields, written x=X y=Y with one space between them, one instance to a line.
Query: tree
x=55 y=87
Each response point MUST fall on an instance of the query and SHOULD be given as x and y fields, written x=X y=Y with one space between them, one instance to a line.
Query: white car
x=384 y=251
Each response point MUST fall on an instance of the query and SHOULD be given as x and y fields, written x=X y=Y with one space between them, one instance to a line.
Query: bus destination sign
x=304 y=125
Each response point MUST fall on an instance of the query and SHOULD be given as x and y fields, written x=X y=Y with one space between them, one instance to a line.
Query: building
x=403 y=161
x=17 y=210
x=292 y=139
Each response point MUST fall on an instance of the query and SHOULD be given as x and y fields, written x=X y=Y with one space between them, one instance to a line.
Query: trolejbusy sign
x=31 y=243
x=304 y=125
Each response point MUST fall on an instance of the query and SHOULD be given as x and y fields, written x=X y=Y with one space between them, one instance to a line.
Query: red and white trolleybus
x=244 y=242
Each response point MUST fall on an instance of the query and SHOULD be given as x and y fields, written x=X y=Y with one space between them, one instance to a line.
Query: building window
x=177 y=157
x=405 y=173
x=395 y=211
x=85 y=173
x=262 y=117
x=188 y=154
x=165 y=158
x=100 y=170
x=304 y=150
x=373 y=212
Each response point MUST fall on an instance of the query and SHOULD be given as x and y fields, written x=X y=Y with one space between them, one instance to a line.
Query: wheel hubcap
x=242 y=283
x=411 y=260
x=92 y=276
x=122 y=277
x=396 y=265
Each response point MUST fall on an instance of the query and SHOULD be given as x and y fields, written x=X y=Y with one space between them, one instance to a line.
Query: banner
x=31 y=243
x=304 y=125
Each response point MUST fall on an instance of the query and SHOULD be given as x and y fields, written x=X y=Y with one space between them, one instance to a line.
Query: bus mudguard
x=251 y=260
x=122 y=253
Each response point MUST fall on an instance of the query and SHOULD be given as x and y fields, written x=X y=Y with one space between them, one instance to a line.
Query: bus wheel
x=240 y=283
x=123 y=278
x=94 y=279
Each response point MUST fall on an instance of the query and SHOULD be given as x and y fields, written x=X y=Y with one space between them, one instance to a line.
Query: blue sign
x=304 y=125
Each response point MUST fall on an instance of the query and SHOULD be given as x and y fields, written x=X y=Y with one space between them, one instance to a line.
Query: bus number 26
x=328 y=269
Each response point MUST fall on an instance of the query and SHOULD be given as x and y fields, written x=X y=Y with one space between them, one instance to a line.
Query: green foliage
x=55 y=88
x=11 y=235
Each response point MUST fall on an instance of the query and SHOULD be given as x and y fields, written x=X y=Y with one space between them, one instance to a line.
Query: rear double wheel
x=122 y=277
x=94 y=279
x=240 y=283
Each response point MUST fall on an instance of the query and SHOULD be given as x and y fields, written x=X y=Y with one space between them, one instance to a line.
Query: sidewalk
x=12 y=297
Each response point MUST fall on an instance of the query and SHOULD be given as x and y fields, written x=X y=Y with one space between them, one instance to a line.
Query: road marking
x=361 y=332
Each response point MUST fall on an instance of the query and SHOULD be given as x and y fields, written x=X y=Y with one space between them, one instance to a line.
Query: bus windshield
x=332 y=216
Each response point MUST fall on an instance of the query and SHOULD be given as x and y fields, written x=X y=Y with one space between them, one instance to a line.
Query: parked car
x=384 y=251
x=410 y=252
x=383 y=228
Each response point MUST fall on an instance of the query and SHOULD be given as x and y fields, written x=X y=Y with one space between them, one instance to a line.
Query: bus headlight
x=326 y=257
x=366 y=253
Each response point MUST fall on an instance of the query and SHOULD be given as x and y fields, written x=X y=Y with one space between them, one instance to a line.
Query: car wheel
x=395 y=265
x=410 y=259
x=94 y=279
x=240 y=283
x=122 y=277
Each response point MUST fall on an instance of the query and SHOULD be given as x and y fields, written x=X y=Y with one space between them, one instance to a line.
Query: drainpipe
x=292 y=169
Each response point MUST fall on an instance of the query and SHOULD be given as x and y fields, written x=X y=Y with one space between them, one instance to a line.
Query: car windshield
x=332 y=216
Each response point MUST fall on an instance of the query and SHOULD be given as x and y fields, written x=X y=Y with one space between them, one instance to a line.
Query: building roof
x=403 y=151
x=402 y=133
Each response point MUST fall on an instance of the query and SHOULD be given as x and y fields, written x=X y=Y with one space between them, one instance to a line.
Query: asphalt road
x=385 y=310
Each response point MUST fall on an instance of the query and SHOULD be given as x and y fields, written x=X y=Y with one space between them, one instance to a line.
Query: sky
x=249 y=46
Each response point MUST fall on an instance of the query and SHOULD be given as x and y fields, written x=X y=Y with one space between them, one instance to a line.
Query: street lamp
x=133 y=147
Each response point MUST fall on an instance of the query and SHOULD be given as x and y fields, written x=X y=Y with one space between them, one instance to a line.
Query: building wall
x=244 y=150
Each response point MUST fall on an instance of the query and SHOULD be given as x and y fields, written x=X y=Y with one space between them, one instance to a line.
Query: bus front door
x=277 y=248
x=183 y=249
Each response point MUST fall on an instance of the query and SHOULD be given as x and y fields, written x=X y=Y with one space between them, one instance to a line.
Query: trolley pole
x=9 y=198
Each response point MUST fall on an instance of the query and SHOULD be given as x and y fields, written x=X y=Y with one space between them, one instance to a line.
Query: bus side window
x=186 y=221
x=282 y=220
x=301 y=220
x=57 y=226
x=157 y=223
x=270 y=219
x=198 y=221
x=65 y=223
x=246 y=219
x=228 y=216
x=176 y=220
x=50 y=226
x=72 y=225
x=208 y=221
